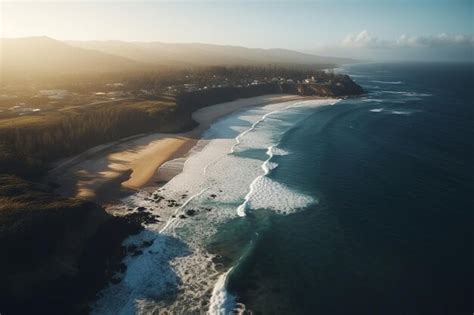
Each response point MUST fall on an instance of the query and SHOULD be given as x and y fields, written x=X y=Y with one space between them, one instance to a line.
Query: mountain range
x=44 y=55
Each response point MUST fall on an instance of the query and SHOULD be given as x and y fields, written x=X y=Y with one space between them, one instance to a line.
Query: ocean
x=355 y=206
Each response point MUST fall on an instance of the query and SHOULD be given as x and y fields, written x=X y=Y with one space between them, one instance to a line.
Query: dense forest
x=33 y=142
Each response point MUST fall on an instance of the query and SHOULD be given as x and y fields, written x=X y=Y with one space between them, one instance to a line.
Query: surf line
x=266 y=167
x=255 y=124
x=237 y=139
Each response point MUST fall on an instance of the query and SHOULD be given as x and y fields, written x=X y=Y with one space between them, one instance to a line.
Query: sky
x=349 y=27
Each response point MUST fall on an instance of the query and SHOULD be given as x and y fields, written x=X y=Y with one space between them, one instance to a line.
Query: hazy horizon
x=433 y=31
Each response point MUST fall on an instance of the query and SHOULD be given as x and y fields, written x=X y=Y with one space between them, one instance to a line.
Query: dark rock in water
x=141 y=208
x=121 y=267
x=147 y=243
x=172 y=203
x=141 y=218
x=182 y=216
x=115 y=280
x=137 y=252
x=132 y=248
x=190 y=212
x=157 y=198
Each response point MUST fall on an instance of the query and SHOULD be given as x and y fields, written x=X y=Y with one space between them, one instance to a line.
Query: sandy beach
x=221 y=180
x=108 y=172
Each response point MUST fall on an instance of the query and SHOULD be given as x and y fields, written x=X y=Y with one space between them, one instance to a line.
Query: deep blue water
x=392 y=232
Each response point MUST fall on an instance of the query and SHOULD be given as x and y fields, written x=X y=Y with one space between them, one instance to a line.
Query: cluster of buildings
x=220 y=82
x=57 y=98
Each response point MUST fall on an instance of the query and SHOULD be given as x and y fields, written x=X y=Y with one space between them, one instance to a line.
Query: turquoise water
x=387 y=226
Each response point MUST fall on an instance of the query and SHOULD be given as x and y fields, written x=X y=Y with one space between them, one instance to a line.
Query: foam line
x=255 y=124
x=221 y=302
x=266 y=169
x=387 y=82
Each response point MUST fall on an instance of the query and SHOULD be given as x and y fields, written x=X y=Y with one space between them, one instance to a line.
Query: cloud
x=365 y=40
x=441 y=40
x=365 y=46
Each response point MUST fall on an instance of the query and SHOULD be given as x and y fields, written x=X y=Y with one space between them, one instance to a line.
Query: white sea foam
x=269 y=194
x=258 y=142
x=373 y=100
x=278 y=151
x=394 y=112
x=415 y=94
x=401 y=112
x=238 y=139
x=177 y=264
x=394 y=92
x=221 y=302
x=408 y=93
x=387 y=82
x=265 y=193
x=377 y=110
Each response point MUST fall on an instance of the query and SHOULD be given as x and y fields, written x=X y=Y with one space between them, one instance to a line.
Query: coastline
x=111 y=171
x=170 y=256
